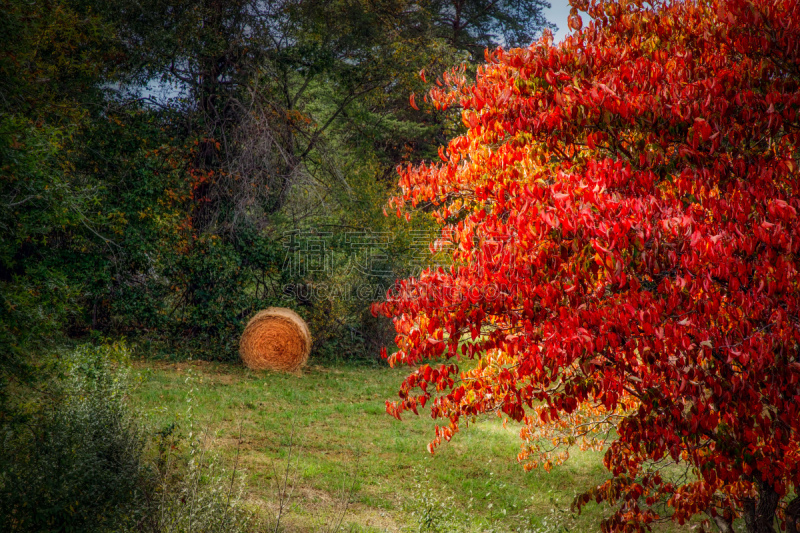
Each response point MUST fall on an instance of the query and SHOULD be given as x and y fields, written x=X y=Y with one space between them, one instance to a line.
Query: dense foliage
x=166 y=163
x=623 y=210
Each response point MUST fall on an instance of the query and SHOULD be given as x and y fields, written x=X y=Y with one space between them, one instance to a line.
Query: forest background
x=260 y=182
x=262 y=179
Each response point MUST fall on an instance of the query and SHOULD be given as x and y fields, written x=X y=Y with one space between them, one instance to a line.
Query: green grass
x=345 y=443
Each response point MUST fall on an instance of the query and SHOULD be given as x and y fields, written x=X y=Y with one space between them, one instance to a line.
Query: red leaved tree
x=623 y=216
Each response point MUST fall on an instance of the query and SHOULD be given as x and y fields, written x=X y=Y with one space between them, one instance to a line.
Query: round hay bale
x=275 y=339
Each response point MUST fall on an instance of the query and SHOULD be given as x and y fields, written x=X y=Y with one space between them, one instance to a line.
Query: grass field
x=348 y=458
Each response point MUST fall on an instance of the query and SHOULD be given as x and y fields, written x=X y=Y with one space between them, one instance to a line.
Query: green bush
x=77 y=457
x=73 y=461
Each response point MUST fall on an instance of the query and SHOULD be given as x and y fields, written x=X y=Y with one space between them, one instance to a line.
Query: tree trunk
x=759 y=515
x=793 y=516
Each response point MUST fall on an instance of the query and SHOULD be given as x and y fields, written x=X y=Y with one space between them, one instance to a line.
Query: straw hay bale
x=275 y=339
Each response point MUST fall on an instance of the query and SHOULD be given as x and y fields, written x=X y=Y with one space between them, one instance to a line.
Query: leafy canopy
x=623 y=215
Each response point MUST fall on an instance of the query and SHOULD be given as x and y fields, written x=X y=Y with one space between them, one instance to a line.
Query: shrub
x=73 y=461
x=76 y=457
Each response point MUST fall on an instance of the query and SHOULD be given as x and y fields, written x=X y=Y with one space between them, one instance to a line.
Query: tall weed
x=189 y=490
